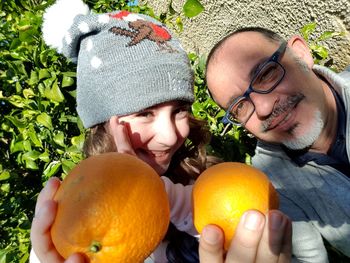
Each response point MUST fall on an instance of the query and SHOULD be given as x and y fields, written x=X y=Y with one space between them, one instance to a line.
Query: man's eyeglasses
x=265 y=80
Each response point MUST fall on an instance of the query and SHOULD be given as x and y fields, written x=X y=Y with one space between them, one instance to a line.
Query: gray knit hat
x=126 y=62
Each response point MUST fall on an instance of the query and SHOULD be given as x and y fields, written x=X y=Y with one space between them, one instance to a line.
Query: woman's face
x=158 y=132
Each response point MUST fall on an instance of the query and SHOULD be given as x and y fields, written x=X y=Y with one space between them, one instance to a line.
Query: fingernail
x=275 y=220
x=252 y=220
x=50 y=182
x=210 y=235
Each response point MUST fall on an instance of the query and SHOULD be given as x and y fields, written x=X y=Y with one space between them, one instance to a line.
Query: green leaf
x=31 y=156
x=29 y=159
x=5 y=188
x=24 y=27
x=179 y=23
x=320 y=51
x=192 y=8
x=307 y=30
x=67 y=165
x=54 y=93
x=45 y=157
x=70 y=74
x=17 y=122
x=329 y=34
x=59 y=139
x=73 y=93
x=78 y=140
x=201 y=66
x=44 y=74
x=67 y=81
x=44 y=56
x=18 y=87
x=18 y=66
x=45 y=120
x=15 y=44
x=28 y=93
x=4 y=175
x=34 y=138
x=17 y=101
x=33 y=78
x=51 y=169
x=27 y=146
x=192 y=56
x=29 y=114
x=28 y=35
x=3 y=256
x=31 y=165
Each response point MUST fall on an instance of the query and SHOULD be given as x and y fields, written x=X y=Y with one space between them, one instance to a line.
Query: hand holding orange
x=223 y=192
x=112 y=207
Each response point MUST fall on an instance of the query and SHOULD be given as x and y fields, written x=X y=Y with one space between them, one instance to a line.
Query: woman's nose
x=166 y=132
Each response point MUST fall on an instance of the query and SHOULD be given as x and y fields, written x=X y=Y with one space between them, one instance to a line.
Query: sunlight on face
x=156 y=133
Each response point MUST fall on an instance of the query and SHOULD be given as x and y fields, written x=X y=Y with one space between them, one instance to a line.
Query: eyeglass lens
x=264 y=82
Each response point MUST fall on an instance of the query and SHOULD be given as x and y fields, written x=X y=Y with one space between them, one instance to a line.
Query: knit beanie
x=126 y=62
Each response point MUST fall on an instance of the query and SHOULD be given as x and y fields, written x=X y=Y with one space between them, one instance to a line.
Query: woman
x=134 y=90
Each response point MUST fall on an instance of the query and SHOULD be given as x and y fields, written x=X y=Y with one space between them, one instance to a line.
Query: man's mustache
x=282 y=108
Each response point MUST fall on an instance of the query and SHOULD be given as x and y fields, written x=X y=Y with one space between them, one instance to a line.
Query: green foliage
x=170 y=16
x=319 y=51
x=40 y=132
x=192 y=8
x=104 y=6
x=174 y=19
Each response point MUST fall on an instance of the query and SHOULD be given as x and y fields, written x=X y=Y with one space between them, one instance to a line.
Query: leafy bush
x=40 y=132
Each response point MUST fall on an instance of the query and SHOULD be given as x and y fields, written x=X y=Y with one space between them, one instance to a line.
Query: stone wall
x=285 y=17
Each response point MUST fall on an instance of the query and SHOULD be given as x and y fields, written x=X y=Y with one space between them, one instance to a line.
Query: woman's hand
x=120 y=136
x=257 y=239
x=45 y=213
x=46 y=207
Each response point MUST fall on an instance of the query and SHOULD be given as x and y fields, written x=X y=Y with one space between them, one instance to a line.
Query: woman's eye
x=145 y=114
x=182 y=111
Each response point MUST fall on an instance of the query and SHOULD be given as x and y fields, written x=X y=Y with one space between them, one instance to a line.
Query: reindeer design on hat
x=142 y=29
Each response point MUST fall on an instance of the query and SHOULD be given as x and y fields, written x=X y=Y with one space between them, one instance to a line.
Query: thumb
x=211 y=245
x=76 y=258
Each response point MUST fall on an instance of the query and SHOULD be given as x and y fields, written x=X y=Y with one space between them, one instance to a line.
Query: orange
x=112 y=207
x=223 y=192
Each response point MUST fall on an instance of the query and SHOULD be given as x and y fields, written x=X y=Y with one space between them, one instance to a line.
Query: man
x=299 y=112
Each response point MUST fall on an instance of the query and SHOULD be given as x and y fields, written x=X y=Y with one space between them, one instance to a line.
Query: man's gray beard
x=308 y=138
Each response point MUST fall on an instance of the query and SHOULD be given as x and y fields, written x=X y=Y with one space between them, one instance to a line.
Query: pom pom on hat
x=58 y=18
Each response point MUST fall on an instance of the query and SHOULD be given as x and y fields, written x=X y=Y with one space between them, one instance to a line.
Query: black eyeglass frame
x=274 y=58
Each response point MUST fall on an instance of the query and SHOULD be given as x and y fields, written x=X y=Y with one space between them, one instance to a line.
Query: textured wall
x=285 y=17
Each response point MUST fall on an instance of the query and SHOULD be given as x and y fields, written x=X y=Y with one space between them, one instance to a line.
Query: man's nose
x=264 y=103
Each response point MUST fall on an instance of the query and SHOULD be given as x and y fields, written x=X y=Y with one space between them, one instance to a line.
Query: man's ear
x=301 y=49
